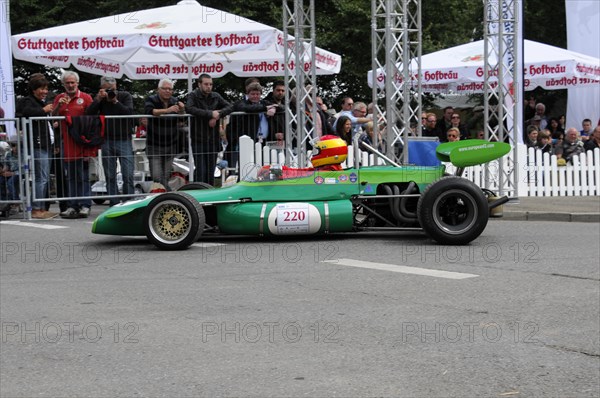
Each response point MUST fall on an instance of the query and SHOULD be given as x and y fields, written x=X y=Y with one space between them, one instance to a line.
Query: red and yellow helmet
x=329 y=150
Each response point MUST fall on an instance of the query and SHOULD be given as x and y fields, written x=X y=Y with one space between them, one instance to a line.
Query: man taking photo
x=117 y=145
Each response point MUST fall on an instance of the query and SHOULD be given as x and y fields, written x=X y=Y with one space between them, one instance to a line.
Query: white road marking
x=32 y=224
x=401 y=268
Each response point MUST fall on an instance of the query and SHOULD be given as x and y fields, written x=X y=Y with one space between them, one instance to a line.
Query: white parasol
x=460 y=69
x=178 y=41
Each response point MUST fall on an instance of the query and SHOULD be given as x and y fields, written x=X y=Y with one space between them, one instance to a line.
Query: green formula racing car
x=284 y=201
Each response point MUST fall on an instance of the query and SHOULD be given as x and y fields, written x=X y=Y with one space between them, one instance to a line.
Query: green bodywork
x=315 y=188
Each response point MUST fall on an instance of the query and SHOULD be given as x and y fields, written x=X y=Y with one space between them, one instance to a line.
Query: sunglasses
x=455 y=117
x=452 y=136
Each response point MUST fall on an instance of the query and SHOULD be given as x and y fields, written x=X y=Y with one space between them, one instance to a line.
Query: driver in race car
x=328 y=154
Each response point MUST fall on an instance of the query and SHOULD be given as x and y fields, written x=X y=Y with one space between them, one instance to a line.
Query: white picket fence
x=543 y=176
x=538 y=174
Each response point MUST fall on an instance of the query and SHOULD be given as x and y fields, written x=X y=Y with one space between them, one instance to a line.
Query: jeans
x=41 y=163
x=111 y=150
x=204 y=163
x=57 y=168
x=9 y=187
x=161 y=163
x=78 y=183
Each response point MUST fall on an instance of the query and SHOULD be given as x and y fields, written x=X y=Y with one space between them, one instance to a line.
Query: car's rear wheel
x=174 y=220
x=453 y=211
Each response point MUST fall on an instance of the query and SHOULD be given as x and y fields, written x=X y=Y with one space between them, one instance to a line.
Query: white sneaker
x=69 y=213
x=84 y=212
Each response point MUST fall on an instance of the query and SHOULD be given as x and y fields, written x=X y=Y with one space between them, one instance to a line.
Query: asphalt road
x=516 y=313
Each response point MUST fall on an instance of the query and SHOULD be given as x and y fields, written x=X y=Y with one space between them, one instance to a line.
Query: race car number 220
x=296 y=218
x=294 y=215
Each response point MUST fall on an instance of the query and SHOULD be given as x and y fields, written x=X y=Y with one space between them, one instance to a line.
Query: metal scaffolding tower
x=503 y=98
x=396 y=41
x=396 y=50
x=299 y=50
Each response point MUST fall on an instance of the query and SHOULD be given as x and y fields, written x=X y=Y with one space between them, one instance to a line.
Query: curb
x=544 y=216
x=585 y=217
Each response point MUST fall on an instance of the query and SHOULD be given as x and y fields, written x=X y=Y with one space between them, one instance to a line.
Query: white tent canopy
x=176 y=41
x=460 y=69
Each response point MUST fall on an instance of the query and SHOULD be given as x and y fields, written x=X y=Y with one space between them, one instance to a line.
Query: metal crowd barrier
x=176 y=142
x=12 y=197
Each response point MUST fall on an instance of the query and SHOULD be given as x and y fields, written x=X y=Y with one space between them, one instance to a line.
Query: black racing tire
x=173 y=221
x=195 y=185
x=453 y=211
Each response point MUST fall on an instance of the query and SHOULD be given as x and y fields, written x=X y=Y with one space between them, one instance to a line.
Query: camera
x=111 y=94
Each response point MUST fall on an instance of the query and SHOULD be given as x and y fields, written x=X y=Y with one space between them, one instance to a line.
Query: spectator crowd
x=549 y=134
x=66 y=147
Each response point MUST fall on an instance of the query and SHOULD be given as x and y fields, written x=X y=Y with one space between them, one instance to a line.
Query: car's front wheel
x=173 y=221
x=453 y=211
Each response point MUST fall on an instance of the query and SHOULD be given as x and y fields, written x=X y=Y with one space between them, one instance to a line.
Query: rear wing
x=471 y=152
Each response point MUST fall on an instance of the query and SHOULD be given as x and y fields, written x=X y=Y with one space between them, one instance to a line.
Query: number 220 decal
x=291 y=216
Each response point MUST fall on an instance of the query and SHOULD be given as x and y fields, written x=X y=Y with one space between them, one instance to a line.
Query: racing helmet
x=329 y=150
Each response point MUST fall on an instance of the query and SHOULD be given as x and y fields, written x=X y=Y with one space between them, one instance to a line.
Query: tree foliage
x=342 y=26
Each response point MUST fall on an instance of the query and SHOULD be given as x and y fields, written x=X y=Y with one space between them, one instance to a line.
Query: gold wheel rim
x=170 y=222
